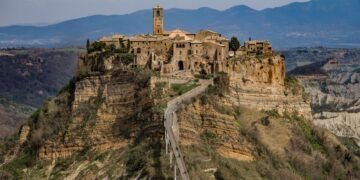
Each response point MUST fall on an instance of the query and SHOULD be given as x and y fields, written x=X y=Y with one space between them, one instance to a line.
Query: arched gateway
x=181 y=65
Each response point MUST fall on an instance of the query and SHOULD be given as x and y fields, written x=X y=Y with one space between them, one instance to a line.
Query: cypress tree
x=234 y=44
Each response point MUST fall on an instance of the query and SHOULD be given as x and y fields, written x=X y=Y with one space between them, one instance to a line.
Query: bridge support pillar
x=166 y=143
x=175 y=171
x=171 y=155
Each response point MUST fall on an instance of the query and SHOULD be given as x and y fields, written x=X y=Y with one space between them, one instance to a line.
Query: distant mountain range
x=332 y=23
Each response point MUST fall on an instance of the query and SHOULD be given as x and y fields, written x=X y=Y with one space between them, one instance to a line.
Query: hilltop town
x=174 y=104
x=177 y=51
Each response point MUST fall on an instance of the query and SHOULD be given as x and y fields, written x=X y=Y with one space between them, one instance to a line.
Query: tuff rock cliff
x=253 y=123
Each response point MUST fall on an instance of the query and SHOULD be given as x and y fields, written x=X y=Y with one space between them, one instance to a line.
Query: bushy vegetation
x=221 y=85
x=183 y=88
x=310 y=133
x=6 y=145
x=208 y=136
x=16 y=166
x=351 y=145
x=142 y=77
x=136 y=160
x=293 y=86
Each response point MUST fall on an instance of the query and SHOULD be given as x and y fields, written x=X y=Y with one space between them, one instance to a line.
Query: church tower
x=158 y=20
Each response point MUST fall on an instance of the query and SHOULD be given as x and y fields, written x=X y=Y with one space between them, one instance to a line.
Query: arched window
x=157 y=13
x=138 y=50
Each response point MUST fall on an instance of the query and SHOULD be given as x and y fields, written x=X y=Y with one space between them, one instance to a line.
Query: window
x=138 y=50
x=158 y=13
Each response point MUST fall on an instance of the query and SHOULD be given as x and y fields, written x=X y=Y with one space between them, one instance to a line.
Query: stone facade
x=256 y=47
x=176 y=50
x=158 y=20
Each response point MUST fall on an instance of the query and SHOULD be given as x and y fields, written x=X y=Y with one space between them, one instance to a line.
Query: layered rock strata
x=259 y=83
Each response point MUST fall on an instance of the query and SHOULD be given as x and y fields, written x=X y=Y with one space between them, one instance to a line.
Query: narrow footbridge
x=172 y=128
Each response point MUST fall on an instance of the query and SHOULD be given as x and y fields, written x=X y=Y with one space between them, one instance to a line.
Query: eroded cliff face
x=242 y=127
x=331 y=77
x=336 y=104
x=260 y=84
x=257 y=84
x=197 y=121
x=221 y=139
x=99 y=109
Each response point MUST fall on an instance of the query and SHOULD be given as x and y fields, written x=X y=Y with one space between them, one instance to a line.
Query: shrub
x=136 y=160
x=224 y=109
x=292 y=84
x=142 y=76
x=313 y=136
x=208 y=136
x=16 y=166
x=126 y=58
x=96 y=46
x=159 y=86
x=351 y=145
x=218 y=175
x=183 y=88
x=222 y=81
x=35 y=115
x=273 y=113
x=265 y=121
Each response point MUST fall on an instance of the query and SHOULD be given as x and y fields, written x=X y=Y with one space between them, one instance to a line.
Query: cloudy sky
x=51 y=11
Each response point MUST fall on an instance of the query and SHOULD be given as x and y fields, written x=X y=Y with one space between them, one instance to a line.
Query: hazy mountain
x=318 y=22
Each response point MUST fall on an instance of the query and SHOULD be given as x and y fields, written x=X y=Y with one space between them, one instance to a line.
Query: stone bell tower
x=158 y=20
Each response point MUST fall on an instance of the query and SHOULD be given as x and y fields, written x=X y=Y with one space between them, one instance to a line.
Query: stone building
x=256 y=47
x=175 y=51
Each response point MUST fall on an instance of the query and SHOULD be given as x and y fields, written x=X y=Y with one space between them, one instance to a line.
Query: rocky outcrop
x=106 y=100
x=259 y=84
x=253 y=83
x=102 y=124
x=198 y=121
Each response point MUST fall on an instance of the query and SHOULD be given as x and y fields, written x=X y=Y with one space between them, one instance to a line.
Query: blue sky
x=50 y=11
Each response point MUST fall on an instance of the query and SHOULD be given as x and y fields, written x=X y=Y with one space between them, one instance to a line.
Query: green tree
x=128 y=45
x=234 y=44
x=121 y=43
